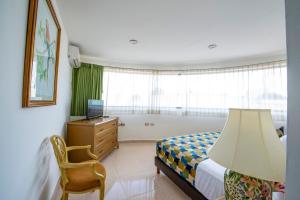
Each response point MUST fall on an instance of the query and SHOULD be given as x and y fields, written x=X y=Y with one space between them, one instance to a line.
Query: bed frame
x=185 y=186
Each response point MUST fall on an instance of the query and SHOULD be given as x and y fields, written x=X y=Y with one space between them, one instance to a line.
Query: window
x=206 y=92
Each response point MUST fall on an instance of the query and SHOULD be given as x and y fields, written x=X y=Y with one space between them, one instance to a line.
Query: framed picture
x=41 y=55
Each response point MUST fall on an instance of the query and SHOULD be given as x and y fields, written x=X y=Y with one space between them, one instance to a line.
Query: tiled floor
x=131 y=175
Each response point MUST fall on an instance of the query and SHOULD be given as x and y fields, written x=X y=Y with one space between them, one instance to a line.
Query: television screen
x=95 y=108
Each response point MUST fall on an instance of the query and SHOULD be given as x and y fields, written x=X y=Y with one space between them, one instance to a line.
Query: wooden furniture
x=100 y=133
x=185 y=186
x=78 y=177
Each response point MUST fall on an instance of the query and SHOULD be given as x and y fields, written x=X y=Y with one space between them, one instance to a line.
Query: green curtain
x=86 y=84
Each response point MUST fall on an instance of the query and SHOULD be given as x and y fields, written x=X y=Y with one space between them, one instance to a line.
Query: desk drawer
x=108 y=125
x=105 y=147
x=105 y=132
x=104 y=138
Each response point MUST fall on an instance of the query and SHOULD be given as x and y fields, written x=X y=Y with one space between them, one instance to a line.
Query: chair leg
x=101 y=192
x=157 y=170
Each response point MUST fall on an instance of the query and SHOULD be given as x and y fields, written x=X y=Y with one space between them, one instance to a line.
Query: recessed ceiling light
x=212 y=46
x=133 y=41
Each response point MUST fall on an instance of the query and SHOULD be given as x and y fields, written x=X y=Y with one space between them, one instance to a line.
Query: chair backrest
x=60 y=149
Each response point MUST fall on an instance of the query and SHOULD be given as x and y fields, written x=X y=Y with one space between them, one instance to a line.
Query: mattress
x=184 y=153
x=209 y=179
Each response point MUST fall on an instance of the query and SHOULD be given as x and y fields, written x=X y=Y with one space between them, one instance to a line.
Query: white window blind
x=205 y=92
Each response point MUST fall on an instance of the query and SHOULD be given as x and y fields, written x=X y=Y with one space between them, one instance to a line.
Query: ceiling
x=173 y=32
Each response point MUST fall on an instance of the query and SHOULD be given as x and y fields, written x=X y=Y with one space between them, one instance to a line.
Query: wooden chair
x=79 y=177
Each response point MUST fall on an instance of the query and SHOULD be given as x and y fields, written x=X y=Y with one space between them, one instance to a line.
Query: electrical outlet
x=151 y=124
x=121 y=124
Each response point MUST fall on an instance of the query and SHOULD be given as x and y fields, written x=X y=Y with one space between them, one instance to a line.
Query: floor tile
x=137 y=185
x=131 y=175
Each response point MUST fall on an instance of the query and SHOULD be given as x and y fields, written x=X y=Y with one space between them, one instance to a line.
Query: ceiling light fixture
x=212 y=46
x=133 y=41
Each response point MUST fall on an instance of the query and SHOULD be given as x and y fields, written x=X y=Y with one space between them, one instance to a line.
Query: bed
x=178 y=157
x=184 y=160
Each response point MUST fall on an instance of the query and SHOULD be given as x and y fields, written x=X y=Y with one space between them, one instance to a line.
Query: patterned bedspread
x=183 y=153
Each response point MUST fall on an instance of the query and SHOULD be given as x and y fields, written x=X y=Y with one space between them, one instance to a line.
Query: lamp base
x=239 y=187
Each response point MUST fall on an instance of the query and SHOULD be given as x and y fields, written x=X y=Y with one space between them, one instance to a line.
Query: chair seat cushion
x=83 y=178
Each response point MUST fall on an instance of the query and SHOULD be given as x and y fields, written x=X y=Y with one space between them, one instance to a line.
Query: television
x=94 y=109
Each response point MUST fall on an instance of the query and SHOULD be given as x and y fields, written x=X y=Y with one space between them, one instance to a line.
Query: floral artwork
x=42 y=68
x=241 y=187
x=42 y=84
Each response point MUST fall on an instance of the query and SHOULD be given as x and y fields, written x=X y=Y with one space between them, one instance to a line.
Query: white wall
x=164 y=126
x=28 y=169
x=167 y=125
x=293 y=143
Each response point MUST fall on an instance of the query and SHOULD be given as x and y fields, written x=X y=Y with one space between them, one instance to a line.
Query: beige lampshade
x=249 y=145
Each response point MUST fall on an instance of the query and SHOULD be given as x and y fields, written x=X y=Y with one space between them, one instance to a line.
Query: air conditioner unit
x=74 y=56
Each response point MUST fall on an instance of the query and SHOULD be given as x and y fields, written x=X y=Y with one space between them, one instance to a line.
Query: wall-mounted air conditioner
x=74 y=56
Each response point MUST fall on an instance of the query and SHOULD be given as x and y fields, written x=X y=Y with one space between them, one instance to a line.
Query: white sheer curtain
x=205 y=92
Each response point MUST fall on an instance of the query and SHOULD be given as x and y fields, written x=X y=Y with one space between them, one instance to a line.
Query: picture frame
x=41 y=55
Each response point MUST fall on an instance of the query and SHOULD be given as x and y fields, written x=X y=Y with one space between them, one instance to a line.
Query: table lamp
x=250 y=146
